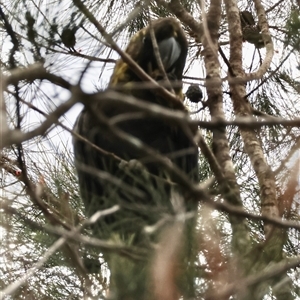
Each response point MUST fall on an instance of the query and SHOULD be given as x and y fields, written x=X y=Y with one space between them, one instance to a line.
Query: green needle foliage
x=234 y=234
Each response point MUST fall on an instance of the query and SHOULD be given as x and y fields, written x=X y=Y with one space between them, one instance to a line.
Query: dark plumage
x=246 y=18
x=158 y=134
x=251 y=31
x=172 y=46
x=68 y=37
x=152 y=200
x=194 y=93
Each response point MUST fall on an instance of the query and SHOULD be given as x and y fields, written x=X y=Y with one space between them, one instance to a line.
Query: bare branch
x=13 y=287
x=268 y=273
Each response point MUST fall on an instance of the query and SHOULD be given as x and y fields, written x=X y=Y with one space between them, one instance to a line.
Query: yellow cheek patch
x=136 y=42
x=180 y=95
x=120 y=74
x=129 y=87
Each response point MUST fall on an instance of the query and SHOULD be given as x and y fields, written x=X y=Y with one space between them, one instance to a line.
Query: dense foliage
x=57 y=56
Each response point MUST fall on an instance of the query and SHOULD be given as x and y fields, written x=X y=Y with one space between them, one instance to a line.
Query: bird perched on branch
x=126 y=133
x=68 y=37
x=251 y=31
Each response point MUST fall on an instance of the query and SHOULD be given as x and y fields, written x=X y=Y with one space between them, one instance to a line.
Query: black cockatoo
x=251 y=31
x=68 y=37
x=142 y=192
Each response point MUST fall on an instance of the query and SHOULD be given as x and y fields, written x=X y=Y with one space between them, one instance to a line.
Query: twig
x=268 y=273
x=12 y=288
x=157 y=56
x=128 y=251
